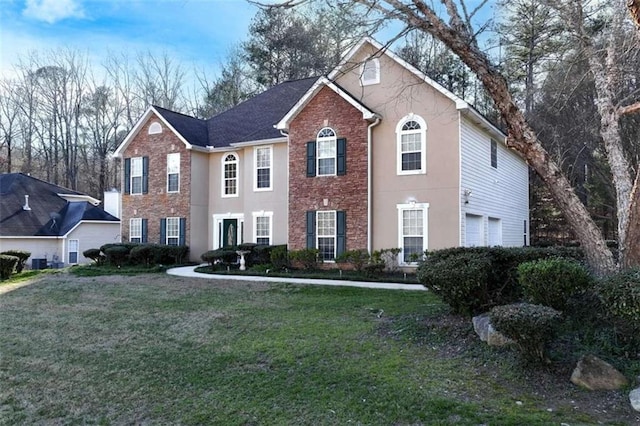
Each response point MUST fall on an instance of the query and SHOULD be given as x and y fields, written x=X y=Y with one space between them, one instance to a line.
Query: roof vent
x=26 y=203
x=55 y=217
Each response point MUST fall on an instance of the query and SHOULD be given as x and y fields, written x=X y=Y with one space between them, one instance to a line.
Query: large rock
x=634 y=397
x=595 y=374
x=484 y=329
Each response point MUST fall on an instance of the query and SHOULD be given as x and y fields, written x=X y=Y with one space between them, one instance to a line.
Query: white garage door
x=495 y=232
x=473 y=231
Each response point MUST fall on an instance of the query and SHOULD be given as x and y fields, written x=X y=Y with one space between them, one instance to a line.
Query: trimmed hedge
x=357 y=258
x=308 y=258
x=551 y=282
x=278 y=256
x=144 y=254
x=22 y=256
x=620 y=294
x=531 y=327
x=473 y=280
x=95 y=254
x=7 y=265
x=225 y=256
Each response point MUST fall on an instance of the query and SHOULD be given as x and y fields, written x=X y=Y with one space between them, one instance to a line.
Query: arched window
x=326 y=152
x=155 y=128
x=411 y=134
x=370 y=72
x=230 y=175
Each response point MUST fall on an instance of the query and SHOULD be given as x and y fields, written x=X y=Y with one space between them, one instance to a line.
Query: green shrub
x=143 y=254
x=551 y=282
x=308 y=258
x=386 y=257
x=116 y=254
x=531 y=327
x=497 y=282
x=279 y=257
x=461 y=281
x=620 y=295
x=22 y=256
x=7 y=265
x=357 y=258
x=225 y=256
x=94 y=254
x=169 y=255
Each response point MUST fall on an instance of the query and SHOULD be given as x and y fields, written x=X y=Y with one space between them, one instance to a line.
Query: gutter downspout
x=286 y=134
x=369 y=181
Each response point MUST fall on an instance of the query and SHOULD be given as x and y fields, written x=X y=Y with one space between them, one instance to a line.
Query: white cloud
x=52 y=11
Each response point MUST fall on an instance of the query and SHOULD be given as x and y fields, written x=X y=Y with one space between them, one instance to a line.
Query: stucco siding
x=499 y=193
x=40 y=248
x=200 y=224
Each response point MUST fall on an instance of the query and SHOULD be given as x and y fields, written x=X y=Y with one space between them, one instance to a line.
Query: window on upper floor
x=370 y=72
x=139 y=172
x=411 y=134
x=494 y=154
x=230 y=175
x=412 y=231
x=327 y=155
x=155 y=128
x=173 y=172
x=263 y=169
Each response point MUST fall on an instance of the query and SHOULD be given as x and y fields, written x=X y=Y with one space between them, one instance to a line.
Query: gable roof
x=194 y=130
x=50 y=214
x=463 y=106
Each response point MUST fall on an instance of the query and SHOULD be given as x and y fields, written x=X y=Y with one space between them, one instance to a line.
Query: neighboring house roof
x=50 y=214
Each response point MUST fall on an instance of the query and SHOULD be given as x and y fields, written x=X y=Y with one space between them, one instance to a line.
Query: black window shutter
x=145 y=175
x=342 y=157
x=341 y=232
x=127 y=175
x=311 y=159
x=311 y=229
x=144 y=230
x=183 y=231
x=163 y=231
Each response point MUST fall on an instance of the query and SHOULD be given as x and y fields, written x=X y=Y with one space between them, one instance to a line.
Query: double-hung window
x=327 y=150
x=230 y=175
x=411 y=134
x=74 y=246
x=173 y=231
x=135 y=230
x=173 y=172
x=412 y=227
x=136 y=175
x=263 y=170
x=326 y=234
x=262 y=225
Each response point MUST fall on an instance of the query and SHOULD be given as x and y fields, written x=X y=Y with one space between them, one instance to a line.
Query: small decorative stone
x=484 y=329
x=595 y=374
x=634 y=397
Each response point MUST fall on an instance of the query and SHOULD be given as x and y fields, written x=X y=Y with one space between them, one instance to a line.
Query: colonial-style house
x=374 y=155
x=53 y=223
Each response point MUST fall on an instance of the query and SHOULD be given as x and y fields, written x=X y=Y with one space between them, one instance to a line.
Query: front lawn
x=155 y=349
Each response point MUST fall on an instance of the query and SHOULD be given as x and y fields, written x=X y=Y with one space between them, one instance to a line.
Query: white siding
x=40 y=248
x=500 y=193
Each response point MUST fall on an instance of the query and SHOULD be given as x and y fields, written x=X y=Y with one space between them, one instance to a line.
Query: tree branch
x=629 y=109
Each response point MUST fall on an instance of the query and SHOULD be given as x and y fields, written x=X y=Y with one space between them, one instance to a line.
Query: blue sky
x=197 y=33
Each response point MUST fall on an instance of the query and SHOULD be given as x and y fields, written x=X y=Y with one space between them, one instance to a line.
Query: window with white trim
x=230 y=175
x=263 y=170
x=135 y=230
x=412 y=231
x=155 y=128
x=370 y=72
x=173 y=231
x=136 y=175
x=173 y=172
x=326 y=234
x=74 y=246
x=494 y=154
x=326 y=144
x=262 y=227
x=411 y=134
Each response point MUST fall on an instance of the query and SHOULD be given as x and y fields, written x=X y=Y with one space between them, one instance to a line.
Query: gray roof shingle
x=46 y=208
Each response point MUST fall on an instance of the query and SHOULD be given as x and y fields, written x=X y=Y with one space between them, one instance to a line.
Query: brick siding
x=348 y=192
x=157 y=203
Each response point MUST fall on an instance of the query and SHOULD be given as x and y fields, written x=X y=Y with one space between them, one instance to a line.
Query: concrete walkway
x=189 y=271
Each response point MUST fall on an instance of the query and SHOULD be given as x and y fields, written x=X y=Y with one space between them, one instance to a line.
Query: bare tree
x=9 y=114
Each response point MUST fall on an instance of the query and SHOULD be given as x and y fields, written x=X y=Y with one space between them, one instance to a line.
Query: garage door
x=473 y=231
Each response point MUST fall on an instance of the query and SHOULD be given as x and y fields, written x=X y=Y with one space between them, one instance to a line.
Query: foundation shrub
x=531 y=327
x=116 y=255
x=225 y=256
x=7 y=265
x=22 y=256
x=279 y=257
x=96 y=255
x=552 y=282
x=620 y=296
x=358 y=259
x=307 y=258
x=143 y=254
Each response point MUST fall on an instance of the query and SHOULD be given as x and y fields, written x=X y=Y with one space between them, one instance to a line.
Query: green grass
x=93 y=270
x=154 y=349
